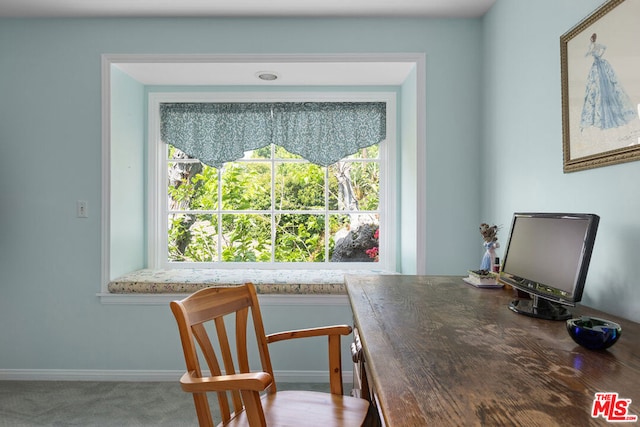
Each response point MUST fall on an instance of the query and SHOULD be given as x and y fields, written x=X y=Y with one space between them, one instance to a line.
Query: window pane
x=299 y=238
x=246 y=186
x=260 y=153
x=246 y=238
x=354 y=238
x=192 y=186
x=354 y=186
x=367 y=153
x=299 y=186
x=281 y=153
x=176 y=153
x=192 y=238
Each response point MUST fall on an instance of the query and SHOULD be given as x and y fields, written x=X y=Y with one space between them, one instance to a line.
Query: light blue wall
x=494 y=81
x=408 y=170
x=127 y=165
x=522 y=156
x=50 y=132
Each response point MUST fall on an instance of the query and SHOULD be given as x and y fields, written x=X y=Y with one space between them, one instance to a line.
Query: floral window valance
x=320 y=132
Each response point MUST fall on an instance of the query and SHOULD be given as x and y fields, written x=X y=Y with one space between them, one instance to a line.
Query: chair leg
x=253 y=408
x=202 y=409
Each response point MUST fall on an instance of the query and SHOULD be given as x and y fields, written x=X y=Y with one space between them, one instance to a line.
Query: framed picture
x=600 y=71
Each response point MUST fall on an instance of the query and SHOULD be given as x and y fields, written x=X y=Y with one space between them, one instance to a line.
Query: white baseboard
x=145 y=375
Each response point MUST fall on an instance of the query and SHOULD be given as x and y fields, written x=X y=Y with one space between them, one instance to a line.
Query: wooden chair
x=254 y=397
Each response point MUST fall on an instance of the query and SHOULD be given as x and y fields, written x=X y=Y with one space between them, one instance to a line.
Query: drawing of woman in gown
x=606 y=104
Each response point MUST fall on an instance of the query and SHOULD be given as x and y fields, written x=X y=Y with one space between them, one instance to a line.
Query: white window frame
x=157 y=177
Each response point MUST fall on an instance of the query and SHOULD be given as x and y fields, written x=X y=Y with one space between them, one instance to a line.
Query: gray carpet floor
x=85 y=403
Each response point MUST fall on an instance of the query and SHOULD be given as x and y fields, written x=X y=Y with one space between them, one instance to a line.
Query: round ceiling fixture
x=267 y=76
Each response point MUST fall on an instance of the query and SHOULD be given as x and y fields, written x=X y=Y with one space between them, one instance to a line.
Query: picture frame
x=600 y=74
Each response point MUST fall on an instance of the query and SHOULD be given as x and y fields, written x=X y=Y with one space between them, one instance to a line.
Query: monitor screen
x=547 y=256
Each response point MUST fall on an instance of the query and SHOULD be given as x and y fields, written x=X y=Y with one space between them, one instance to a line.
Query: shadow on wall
x=609 y=289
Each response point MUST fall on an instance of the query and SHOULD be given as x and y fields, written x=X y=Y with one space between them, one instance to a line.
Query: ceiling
x=245 y=8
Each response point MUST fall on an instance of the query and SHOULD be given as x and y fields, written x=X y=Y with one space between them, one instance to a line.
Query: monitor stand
x=541 y=308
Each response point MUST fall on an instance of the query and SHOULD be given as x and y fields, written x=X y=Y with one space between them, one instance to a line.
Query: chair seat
x=309 y=408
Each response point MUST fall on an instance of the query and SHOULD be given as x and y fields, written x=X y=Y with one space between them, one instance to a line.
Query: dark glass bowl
x=594 y=333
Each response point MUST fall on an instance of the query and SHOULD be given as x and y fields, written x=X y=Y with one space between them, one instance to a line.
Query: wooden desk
x=441 y=352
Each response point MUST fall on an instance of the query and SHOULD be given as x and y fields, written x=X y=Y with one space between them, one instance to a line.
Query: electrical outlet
x=82 y=209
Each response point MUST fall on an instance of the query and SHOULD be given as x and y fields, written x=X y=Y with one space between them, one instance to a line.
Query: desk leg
x=361 y=386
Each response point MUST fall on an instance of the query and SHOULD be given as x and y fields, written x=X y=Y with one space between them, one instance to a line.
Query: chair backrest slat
x=241 y=340
x=227 y=359
x=209 y=354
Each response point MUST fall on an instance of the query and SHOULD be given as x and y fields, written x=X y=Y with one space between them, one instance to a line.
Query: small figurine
x=490 y=237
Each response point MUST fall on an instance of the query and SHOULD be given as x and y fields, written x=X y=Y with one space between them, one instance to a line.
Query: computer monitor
x=547 y=257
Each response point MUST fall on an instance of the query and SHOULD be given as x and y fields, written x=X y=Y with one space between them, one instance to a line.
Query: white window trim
x=157 y=209
x=332 y=300
x=416 y=58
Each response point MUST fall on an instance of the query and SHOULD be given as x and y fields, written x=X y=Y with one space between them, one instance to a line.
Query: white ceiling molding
x=242 y=70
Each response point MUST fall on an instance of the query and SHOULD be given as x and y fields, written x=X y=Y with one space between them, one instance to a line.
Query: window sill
x=157 y=287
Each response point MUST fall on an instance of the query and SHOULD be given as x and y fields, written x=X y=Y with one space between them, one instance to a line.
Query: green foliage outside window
x=240 y=217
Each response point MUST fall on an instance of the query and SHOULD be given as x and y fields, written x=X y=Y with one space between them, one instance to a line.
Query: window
x=270 y=208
